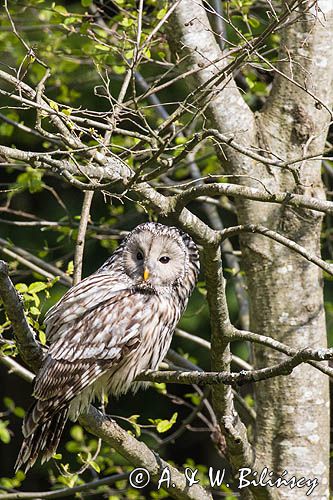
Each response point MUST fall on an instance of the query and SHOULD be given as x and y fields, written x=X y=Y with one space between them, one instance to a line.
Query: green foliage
x=133 y=420
x=12 y=483
x=31 y=180
x=4 y=432
x=77 y=433
x=16 y=410
x=163 y=425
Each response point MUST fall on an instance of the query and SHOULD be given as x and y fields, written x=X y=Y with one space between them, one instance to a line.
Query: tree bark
x=285 y=293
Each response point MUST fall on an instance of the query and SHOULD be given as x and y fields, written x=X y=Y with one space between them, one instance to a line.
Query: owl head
x=159 y=255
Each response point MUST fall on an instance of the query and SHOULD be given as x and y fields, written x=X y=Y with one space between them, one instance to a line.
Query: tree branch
x=79 y=246
x=257 y=228
x=30 y=351
x=289 y=199
x=64 y=492
x=272 y=343
x=136 y=452
x=239 y=378
x=34 y=263
x=14 y=367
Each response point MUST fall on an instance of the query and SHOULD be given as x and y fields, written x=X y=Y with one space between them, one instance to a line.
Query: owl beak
x=145 y=274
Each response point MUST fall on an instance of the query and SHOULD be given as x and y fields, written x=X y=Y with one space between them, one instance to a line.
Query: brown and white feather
x=107 y=329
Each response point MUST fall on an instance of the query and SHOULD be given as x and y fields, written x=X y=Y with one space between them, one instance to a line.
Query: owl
x=107 y=329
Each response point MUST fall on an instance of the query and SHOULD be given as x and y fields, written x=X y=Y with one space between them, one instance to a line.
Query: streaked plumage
x=108 y=328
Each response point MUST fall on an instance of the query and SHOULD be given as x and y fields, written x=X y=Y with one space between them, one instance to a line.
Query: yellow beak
x=145 y=274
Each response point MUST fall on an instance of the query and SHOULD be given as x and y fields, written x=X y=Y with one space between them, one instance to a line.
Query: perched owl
x=107 y=329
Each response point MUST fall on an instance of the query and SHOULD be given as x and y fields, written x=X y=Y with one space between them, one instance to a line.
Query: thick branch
x=285 y=198
x=135 y=451
x=123 y=174
x=30 y=351
x=138 y=454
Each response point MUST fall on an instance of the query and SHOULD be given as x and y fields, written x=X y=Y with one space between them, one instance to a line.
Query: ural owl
x=107 y=329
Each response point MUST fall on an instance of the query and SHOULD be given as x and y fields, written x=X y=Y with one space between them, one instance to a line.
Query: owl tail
x=40 y=439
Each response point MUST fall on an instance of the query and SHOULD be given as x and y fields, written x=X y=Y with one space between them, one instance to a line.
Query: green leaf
x=194 y=397
x=133 y=419
x=126 y=22
x=147 y=53
x=34 y=310
x=129 y=54
x=21 y=287
x=6 y=129
x=4 y=432
x=77 y=433
x=37 y=287
x=72 y=447
x=19 y=412
x=119 y=70
x=160 y=387
x=95 y=466
x=20 y=476
x=67 y=111
x=31 y=179
x=70 y=268
x=104 y=48
x=86 y=3
x=254 y=22
x=181 y=140
x=60 y=9
x=161 y=13
x=9 y=403
x=54 y=105
x=165 y=425
x=42 y=337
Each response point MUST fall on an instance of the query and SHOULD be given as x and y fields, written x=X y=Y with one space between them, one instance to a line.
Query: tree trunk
x=285 y=291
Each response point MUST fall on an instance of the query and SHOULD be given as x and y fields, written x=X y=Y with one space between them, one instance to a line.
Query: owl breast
x=156 y=330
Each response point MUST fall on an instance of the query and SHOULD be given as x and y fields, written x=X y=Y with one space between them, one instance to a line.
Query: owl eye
x=164 y=259
x=139 y=256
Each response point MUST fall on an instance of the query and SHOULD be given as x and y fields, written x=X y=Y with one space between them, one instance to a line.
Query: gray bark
x=285 y=293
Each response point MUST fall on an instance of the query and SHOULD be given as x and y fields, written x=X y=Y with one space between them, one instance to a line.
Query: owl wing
x=95 y=342
x=80 y=299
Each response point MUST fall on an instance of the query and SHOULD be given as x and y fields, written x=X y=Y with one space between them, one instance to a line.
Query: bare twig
x=79 y=247
x=240 y=378
x=256 y=228
x=64 y=492
x=272 y=343
x=15 y=367
x=38 y=265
